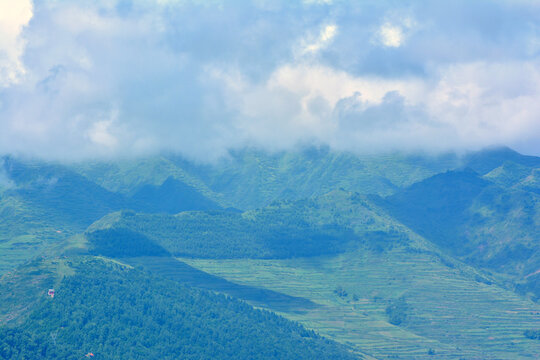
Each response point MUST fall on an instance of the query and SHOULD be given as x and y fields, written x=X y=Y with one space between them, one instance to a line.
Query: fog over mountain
x=270 y=179
x=106 y=78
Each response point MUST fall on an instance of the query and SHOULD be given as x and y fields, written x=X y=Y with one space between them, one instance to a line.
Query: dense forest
x=115 y=312
x=121 y=242
x=225 y=234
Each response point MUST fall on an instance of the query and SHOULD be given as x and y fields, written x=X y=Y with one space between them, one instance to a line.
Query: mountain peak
x=488 y=159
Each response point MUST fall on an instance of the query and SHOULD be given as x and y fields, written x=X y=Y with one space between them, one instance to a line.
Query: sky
x=106 y=78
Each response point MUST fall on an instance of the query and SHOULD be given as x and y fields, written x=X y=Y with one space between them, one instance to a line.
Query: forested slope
x=115 y=312
x=225 y=234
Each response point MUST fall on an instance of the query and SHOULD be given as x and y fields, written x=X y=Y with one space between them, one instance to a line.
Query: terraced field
x=174 y=269
x=19 y=249
x=452 y=311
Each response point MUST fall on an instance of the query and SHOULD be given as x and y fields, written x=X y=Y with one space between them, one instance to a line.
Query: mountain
x=486 y=160
x=509 y=174
x=512 y=175
x=42 y=204
x=45 y=204
x=491 y=226
x=437 y=207
x=59 y=194
x=251 y=178
x=172 y=196
x=394 y=256
x=224 y=234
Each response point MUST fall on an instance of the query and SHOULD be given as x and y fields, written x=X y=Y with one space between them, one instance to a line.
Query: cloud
x=463 y=106
x=327 y=33
x=5 y=181
x=119 y=78
x=391 y=35
x=14 y=15
x=100 y=134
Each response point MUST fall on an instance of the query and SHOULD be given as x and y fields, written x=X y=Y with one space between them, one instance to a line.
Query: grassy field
x=452 y=311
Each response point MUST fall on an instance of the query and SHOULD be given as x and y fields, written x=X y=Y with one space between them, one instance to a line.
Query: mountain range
x=303 y=254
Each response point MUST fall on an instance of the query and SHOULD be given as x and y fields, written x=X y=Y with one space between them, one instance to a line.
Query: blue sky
x=113 y=78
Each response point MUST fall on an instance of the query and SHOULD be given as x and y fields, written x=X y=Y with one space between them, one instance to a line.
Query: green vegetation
x=122 y=243
x=486 y=160
x=174 y=269
x=436 y=207
x=225 y=234
x=250 y=179
x=448 y=311
x=397 y=311
x=22 y=288
x=59 y=194
x=532 y=334
x=116 y=312
x=332 y=240
x=172 y=196
x=483 y=223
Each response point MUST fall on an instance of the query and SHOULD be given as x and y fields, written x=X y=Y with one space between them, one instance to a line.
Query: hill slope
x=172 y=196
x=222 y=234
x=116 y=312
x=484 y=223
x=250 y=178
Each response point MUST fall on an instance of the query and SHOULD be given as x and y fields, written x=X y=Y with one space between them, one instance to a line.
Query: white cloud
x=391 y=35
x=327 y=33
x=394 y=32
x=100 y=134
x=14 y=15
x=202 y=78
x=468 y=106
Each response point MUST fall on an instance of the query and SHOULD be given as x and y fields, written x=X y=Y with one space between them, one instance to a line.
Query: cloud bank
x=115 y=78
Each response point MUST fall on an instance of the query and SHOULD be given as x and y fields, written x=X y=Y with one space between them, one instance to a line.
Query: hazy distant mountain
x=173 y=196
x=486 y=160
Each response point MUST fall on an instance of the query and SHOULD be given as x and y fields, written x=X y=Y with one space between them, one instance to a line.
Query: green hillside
x=113 y=311
x=60 y=194
x=516 y=176
x=395 y=256
x=251 y=178
x=127 y=176
x=437 y=207
x=453 y=311
x=509 y=174
x=353 y=290
x=172 y=196
x=486 y=224
x=265 y=233
x=42 y=204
